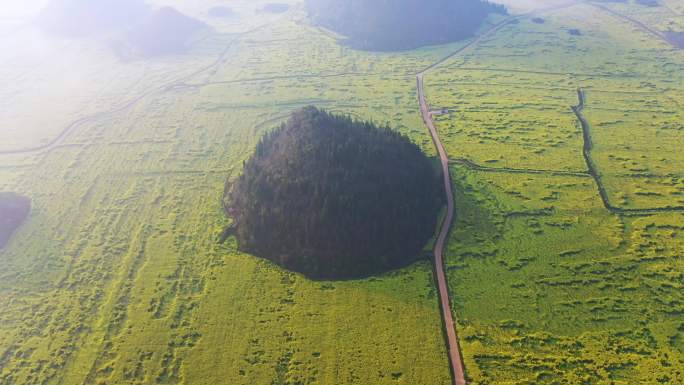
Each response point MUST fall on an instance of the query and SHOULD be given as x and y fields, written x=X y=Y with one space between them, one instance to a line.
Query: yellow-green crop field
x=549 y=286
x=117 y=277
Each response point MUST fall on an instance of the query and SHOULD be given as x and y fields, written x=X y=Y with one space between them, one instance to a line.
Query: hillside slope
x=401 y=24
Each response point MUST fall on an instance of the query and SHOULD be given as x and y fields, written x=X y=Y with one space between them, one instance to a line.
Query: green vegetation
x=14 y=209
x=333 y=198
x=118 y=278
x=401 y=24
x=582 y=294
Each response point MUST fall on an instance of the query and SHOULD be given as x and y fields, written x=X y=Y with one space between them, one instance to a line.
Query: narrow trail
x=593 y=170
x=172 y=85
x=646 y=28
x=453 y=348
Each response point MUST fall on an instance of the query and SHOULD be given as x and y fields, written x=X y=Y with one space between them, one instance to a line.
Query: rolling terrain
x=568 y=202
x=563 y=263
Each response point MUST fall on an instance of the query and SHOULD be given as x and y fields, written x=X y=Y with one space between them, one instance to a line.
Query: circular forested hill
x=391 y=25
x=335 y=198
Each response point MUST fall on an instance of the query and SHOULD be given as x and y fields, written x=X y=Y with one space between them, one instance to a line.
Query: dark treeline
x=335 y=198
x=390 y=25
x=14 y=209
x=133 y=28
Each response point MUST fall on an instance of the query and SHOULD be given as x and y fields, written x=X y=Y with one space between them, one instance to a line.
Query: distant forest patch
x=165 y=31
x=675 y=38
x=14 y=209
x=137 y=29
x=393 y=25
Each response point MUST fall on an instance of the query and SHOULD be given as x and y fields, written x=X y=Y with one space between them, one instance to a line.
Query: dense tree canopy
x=390 y=25
x=134 y=28
x=14 y=209
x=335 y=198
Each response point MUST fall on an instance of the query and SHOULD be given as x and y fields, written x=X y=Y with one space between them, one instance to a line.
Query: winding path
x=178 y=83
x=453 y=349
x=643 y=27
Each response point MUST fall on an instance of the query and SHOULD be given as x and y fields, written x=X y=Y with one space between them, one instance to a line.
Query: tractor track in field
x=474 y=166
x=550 y=73
x=272 y=78
x=593 y=170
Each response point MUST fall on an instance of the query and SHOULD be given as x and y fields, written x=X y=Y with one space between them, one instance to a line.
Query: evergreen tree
x=332 y=197
x=388 y=25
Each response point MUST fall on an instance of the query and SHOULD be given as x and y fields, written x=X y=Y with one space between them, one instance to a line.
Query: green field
x=548 y=285
x=118 y=278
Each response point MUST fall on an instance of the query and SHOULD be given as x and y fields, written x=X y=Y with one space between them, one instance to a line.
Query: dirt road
x=453 y=348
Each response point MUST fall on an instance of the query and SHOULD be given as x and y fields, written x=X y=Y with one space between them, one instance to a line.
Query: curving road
x=453 y=349
x=178 y=83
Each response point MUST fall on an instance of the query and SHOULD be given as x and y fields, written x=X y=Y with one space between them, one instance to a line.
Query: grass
x=548 y=286
x=117 y=276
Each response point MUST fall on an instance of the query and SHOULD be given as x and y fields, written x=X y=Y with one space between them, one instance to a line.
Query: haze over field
x=260 y=192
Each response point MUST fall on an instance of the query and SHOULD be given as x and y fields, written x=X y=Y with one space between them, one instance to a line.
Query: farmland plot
x=548 y=284
x=117 y=276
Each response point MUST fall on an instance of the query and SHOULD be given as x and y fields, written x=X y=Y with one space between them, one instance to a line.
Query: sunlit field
x=549 y=285
x=118 y=277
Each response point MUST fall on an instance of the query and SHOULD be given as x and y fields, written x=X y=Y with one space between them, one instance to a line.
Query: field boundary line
x=456 y=364
x=165 y=87
x=640 y=25
x=593 y=170
x=474 y=166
